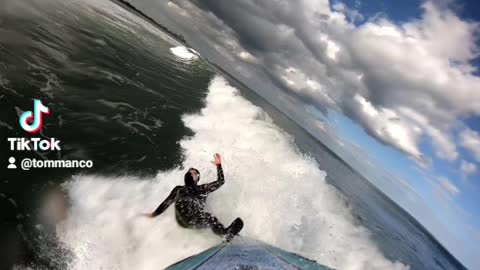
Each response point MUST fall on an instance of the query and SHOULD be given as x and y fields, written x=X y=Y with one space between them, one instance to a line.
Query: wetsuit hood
x=189 y=180
x=190 y=183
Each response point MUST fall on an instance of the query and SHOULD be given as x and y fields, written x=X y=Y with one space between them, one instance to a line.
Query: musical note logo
x=36 y=117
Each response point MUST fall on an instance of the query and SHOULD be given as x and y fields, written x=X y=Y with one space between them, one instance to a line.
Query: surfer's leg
x=207 y=220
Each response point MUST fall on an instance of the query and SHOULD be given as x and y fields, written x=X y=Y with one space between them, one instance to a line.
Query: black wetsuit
x=190 y=202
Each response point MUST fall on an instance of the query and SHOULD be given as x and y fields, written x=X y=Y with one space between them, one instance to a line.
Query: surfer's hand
x=217 y=159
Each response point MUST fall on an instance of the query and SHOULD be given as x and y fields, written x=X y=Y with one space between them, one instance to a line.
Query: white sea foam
x=184 y=53
x=281 y=195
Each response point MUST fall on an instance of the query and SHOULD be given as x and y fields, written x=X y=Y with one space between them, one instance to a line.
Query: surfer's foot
x=228 y=237
x=234 y=229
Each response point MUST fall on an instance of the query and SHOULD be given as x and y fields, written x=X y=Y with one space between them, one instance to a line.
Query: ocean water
x=144 y=108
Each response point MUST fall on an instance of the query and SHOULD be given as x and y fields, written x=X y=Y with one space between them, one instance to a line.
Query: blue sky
x=408 y=9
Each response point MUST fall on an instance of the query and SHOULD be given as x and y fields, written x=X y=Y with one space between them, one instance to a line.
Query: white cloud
x=332 y=48
x=447 y=186
x=178 y=9
x=470 y=140
x=467 y=168
x=247 y=57
x=444 y=145
x=352 y=14
x=386 y=125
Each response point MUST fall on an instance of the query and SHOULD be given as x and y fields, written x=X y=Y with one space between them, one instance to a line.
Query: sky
x=399 y=80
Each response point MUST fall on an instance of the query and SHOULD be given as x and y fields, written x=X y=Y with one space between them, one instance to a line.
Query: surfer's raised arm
x=165 y=204
x=210 y=187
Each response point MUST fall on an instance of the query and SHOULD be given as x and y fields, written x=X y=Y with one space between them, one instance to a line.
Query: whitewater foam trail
x=280 y=194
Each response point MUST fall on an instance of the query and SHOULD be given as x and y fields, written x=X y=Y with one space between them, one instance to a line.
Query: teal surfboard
x=246 y=254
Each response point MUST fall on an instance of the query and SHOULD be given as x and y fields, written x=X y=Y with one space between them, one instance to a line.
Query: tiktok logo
x=36 y=118
x=32 y=123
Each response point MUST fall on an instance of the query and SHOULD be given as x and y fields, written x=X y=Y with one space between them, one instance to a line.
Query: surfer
x=190 y=201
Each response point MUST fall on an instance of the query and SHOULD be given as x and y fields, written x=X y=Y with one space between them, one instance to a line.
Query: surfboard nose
x=243 y=253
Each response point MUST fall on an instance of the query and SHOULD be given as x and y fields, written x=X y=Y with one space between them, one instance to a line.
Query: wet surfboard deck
x=246 y=254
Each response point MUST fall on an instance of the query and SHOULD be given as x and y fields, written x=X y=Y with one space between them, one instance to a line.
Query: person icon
x=12 y=165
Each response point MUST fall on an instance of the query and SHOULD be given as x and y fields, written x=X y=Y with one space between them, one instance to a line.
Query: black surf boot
x=234 y=229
